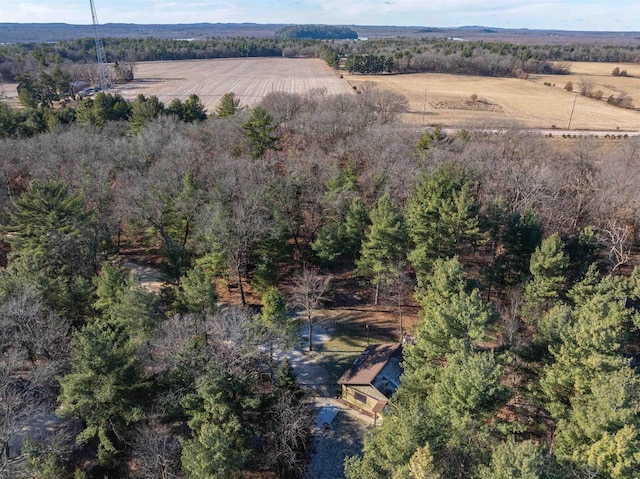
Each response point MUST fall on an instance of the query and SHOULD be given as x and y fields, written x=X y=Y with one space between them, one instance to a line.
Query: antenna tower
x=105 y=73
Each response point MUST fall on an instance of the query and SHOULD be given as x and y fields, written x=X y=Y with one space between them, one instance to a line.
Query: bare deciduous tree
x=27 y=324
x=156 y=454
x=288 y=435
x=308 y=291
x=617 y=238
x=397 y=286
x=586 y=86
x=510 y=319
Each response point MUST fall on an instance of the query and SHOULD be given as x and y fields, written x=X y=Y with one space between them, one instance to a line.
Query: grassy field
x=250 y=79
x=446 y=99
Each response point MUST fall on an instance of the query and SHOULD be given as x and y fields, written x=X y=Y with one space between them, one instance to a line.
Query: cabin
x=373 y=378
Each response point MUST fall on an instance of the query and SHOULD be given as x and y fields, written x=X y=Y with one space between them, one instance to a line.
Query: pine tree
x=219 y=445
x=421 y=464
x=523 y=460
x=259 y=132
x=512 y=238
x=453 y=317
x=196 y=292
x=286 y=380
x=274 y=307
x=190 y=111
x=384 y=244
x=103 y=386
x=228 y=105
x=52 y=240
x=344 y=236
x=143 y=110
x=548 y=268
x=441 y=216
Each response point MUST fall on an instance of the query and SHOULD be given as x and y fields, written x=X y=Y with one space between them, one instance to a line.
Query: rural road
x=554 y=132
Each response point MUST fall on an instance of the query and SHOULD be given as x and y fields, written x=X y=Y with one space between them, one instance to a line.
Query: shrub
x=569 y=86
x=622 y=100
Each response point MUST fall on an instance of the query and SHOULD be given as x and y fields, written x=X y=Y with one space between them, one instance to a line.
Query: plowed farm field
x=250 y=79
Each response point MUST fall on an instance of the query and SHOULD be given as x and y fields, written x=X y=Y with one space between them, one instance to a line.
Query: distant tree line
x=404 y=54
x=19 y=58
x=368 y=64
x=415 y=46
x=473 y=58
x=317 y=32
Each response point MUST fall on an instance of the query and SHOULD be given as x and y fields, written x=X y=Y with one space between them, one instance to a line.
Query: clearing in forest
x=251 y=79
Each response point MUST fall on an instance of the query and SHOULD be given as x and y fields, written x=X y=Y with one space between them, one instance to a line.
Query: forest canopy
x=317 y=32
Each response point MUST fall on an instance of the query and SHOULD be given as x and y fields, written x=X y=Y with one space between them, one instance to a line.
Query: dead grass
x=439 y=99
x=250 y=79
x=350 y=342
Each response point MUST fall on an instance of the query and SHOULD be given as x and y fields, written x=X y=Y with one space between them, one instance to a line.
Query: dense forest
x=317 y=32
x=518 y=250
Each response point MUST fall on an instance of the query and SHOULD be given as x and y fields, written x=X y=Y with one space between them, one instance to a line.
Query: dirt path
x=148 y=276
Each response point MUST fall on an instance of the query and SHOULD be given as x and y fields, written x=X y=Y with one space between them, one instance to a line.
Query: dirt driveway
x=317 y=372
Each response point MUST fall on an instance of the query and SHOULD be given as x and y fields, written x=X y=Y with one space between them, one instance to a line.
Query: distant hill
x=317 y=32
x=52 y=32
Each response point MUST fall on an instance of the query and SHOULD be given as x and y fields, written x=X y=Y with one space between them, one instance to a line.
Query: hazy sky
x=567 y=15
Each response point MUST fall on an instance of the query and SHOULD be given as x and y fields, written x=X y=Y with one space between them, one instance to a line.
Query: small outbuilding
x=373 y=378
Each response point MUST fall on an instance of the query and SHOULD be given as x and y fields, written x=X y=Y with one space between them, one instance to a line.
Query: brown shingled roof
x=369 y=364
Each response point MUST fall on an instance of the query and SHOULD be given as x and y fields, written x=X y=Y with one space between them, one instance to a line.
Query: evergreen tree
x=228 y=105
x=259 y=132
x=453 y=317
x=102 y=108
x=286 y=380
x=421 y=464
x=124 y=302
x=143 y=110
x=53 y=240
x=274 y=307
x=110 y=283
x=219 y=446
x=591 y=387
x=522 y=460
x=512 y=239
x=103 y=387
x=190 y=111
x=466 y=389
x=441 y=216
x=196 y=292
x=344 y=236
x=384 y=244
x=548 y=267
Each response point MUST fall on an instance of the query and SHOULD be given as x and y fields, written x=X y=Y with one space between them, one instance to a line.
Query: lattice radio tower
x=103 y=68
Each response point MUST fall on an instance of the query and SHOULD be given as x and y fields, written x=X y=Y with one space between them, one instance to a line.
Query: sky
x=600 y=15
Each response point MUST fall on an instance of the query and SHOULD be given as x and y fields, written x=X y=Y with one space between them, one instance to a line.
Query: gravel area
x=331 y=446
